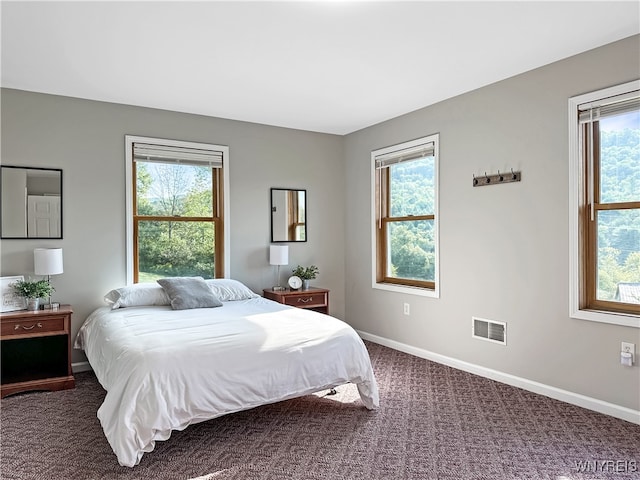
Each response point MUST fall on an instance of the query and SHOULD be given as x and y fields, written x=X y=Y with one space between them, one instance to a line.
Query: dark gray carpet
x=435 y=422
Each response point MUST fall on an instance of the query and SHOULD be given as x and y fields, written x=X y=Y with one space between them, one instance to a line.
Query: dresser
x=36 y=350
x=313 y=298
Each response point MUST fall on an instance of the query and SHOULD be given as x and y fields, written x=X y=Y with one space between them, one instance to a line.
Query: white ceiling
x=328 y=66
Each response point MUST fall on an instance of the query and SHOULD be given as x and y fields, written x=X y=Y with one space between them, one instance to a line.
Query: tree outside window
x=405 y=229
x=176 y=226
x=175 y=205
x=614 y=227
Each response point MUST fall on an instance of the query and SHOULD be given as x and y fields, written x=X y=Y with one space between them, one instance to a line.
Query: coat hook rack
x=496 y=178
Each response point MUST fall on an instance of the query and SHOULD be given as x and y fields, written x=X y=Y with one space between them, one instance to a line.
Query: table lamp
x=47 y=261
x=278 y=255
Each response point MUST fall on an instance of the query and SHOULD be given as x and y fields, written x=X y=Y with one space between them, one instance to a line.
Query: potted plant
x=306 y=274
x=33 y=291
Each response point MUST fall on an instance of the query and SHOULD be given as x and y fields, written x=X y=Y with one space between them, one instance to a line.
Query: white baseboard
x=81 y=367
x=590 y=403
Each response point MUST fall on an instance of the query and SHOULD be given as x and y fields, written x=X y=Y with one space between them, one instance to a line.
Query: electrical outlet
x=407 y=309
x=627 y=347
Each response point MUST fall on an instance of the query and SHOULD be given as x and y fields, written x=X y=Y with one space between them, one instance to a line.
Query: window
x=605 y=193
x=176 y=208
x=405 y=217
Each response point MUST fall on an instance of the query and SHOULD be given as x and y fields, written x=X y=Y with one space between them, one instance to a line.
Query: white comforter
x=165 y=369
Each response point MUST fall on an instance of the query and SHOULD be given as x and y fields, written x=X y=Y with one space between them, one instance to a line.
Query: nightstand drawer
x=313 y=298
x=36 y=350
x=33 y=326
x=306 y=300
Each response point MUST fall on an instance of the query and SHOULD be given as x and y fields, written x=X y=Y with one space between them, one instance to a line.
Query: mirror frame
x=59 y=171
x=273 y=212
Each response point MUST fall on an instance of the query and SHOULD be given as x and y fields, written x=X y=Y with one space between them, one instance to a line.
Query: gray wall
x=504 y=249
x=86 y=139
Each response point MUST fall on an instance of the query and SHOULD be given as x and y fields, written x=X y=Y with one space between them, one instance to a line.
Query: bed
x=165 y=368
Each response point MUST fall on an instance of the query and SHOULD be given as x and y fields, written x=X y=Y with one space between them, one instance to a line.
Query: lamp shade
x=278 y=254
x=47 y=261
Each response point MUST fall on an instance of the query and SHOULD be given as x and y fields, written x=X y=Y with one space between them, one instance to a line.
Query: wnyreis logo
x=606 y=466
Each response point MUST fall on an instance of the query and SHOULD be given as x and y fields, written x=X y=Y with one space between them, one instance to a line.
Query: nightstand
x=313 y=298
x=36 y=350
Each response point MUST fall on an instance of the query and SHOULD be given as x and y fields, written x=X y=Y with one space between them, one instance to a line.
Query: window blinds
x=185 y=156
x=594 y=111
x=588 y=114
x=406 y=154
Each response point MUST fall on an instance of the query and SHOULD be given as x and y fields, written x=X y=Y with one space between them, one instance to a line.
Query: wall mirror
x=288 y=215
x=30 y=202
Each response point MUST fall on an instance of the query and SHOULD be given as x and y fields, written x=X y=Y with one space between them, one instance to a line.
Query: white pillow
x=228 y=290
x=137 y=295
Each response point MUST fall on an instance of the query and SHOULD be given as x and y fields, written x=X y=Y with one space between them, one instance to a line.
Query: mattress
x=165 y=369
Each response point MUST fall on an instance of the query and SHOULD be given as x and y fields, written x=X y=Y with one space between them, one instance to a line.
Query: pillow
x=228 y=290
x=137 y=295
x=189 y=292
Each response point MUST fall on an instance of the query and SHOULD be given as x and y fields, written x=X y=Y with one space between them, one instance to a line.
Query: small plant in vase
x=33 y=291
x=306 y=274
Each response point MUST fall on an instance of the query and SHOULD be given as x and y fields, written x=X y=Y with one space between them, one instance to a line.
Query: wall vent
x=489 y=330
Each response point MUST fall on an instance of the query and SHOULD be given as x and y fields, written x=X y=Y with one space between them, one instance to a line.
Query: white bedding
x=165 y=369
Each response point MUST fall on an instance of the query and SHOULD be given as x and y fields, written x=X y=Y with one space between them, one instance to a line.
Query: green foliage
x=412 y=243
x=306 y=273
x=412 y=191
x=611 y=271
x=413 y=250
x=175 y=248
x=32 y=289
x=619 y=230
x=620 y=165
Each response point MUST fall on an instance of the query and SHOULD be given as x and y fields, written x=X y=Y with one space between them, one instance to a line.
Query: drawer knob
x=305 y=300
x=25 y=327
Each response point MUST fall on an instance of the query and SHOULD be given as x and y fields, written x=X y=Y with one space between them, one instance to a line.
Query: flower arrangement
x=32 y=288
x=306 y=273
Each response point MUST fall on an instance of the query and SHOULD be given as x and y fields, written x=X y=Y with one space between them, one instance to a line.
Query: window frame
x=582 y=253
x=222 y=195
x=378 y=240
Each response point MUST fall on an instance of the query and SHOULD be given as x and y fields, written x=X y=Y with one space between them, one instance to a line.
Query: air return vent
x=489 y=330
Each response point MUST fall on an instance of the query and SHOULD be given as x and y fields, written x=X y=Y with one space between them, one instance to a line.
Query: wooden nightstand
x=36 y=350
x=313 y=298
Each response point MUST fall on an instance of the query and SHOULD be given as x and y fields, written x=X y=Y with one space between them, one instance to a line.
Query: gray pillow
x=189 y=292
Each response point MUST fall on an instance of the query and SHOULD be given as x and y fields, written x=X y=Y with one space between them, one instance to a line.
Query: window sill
x=392 y=287
x=623 y=319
